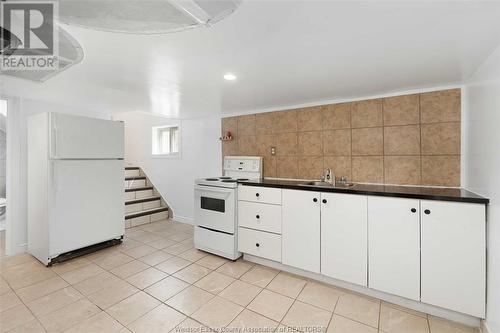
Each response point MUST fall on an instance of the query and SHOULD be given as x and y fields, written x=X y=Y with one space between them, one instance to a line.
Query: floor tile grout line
x=291 y=306
x=333 y=312
x=357 y=321
x=27 y=307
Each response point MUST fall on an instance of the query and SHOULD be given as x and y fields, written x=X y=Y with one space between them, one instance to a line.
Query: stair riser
x=146 y=219
x=132 y=173
x=142 y=206
x=135 y=183
x=138 y=194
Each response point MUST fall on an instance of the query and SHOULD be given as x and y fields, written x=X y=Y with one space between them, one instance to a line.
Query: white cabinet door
x=394 y=246
x=454 y=256
x=344 y=237
x=301 y=230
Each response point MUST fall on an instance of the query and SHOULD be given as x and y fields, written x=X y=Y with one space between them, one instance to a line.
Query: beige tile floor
x=157 y=282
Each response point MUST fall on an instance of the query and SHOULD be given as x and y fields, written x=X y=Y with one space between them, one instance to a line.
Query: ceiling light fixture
x=229 y=77
x=192 y=9
x=144 y=16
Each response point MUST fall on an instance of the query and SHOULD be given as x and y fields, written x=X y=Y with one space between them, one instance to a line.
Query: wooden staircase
x=143 y=203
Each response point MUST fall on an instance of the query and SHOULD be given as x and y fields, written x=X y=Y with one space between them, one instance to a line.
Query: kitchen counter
x=414 y=192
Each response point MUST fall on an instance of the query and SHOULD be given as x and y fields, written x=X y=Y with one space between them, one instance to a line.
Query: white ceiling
x=283 y=52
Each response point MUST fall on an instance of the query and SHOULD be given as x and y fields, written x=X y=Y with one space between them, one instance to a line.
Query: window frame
x=155 y=130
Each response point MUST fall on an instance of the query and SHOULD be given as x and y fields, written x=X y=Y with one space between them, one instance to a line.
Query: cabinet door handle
x=257 y=216
x=257 y=244
x=324 y=201
x=257 y=195
x=315 y=199
x=427 y=212
x=413 y=210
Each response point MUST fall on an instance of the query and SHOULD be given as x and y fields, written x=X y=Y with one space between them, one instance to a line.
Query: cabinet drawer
x=260 y=194
x=259 y=243
x=259 y=216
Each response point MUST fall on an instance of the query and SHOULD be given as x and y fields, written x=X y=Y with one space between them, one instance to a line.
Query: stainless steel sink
x=319 y=183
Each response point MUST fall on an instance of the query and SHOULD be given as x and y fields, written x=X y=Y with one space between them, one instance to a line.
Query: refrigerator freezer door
x=75 y=137
x=86 y=203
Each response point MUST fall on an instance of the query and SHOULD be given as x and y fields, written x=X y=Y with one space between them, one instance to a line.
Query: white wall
x=18 y=112
x=174 y=177
x=482 y=167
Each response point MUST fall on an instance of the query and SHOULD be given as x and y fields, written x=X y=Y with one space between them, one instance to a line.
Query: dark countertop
x=413 y=192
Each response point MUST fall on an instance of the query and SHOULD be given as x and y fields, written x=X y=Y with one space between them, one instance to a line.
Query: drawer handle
x=257 y=244
x=324 y=201
x=257 y=195
x=427 y=212
x=315 y=200
x=257 y=216
x=413 y=210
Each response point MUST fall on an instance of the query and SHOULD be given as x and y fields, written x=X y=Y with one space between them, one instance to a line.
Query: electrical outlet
x=273 y=151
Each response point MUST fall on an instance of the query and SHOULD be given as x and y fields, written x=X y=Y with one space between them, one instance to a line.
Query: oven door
x=215 y=208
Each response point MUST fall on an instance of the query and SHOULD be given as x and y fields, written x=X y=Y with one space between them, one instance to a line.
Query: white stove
x=224 y=181
x=216 y=206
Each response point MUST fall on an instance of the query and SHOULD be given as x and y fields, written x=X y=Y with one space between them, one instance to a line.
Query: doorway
x=3 y=173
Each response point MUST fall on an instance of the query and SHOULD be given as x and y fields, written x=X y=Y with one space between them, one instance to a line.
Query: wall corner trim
x=484 y=328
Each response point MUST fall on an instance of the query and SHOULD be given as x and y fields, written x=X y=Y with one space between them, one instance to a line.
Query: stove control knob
x=257 y=244
x=257 y=195
x=257 y=216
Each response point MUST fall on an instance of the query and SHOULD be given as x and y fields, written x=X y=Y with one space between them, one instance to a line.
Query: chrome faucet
x=329 y=177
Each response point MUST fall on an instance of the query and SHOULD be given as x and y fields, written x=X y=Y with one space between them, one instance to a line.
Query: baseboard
x=183 y=219
x=407 y=303
x=20 y=248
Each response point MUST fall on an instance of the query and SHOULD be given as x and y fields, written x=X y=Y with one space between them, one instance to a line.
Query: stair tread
x=135 y=178
x=145 y=199
x=139 y=188
x=145 y=212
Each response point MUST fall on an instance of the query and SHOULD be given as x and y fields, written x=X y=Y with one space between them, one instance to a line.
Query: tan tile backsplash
x=401 y=110
x=409 y=140
x=367 y=113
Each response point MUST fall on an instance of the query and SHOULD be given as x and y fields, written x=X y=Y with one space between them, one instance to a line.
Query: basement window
x=166 y=140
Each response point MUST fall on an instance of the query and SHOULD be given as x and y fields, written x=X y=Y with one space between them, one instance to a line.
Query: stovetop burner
x=224 y=177
x=212 y=179
x=242 y=179
x=229 y=180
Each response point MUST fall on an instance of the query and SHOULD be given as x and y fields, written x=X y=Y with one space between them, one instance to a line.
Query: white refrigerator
x=75 y=183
